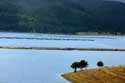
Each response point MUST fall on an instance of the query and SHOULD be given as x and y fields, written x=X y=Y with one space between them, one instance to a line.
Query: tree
x=75 y=65
x=100 y=64
x=86 y=65
x=83 y=64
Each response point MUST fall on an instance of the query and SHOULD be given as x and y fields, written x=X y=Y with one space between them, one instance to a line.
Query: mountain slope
x=54 y=16
x=112 y=16
x=8 y=17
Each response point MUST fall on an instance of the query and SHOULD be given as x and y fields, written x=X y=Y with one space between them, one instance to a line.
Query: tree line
x=84 y=64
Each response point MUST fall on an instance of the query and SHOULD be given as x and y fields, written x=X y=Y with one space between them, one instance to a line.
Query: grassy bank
x=115 y=74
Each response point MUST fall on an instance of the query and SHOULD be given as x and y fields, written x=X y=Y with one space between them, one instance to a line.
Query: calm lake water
x=46 y=66
x=61 y=41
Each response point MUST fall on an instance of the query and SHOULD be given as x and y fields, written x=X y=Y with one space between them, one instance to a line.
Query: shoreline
x=97 y=75
x=33 y=38
x=77 y=33
x=65 y=49
x=101 y=33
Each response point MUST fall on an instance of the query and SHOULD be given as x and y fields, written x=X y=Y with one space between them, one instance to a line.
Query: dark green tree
x=86 y=65
x=100 y=64
x=83 y=64
x=75 y=65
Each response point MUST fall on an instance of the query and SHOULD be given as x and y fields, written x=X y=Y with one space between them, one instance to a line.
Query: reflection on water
x=34 y=66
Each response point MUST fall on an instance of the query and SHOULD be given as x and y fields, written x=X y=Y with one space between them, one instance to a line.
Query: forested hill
x=62 y=16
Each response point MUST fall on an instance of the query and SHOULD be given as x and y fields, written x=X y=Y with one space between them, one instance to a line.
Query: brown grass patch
x=115 y=74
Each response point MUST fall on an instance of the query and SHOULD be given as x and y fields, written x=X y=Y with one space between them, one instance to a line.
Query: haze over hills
x=62 y=16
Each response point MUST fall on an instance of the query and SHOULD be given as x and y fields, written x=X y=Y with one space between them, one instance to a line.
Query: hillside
x=114 y=74
x=62 y=16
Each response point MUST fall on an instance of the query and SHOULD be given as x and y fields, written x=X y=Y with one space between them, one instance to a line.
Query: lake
x=61 y=41
x=46 y=66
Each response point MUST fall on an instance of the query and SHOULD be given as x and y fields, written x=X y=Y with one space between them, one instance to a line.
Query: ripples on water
x=46 y=66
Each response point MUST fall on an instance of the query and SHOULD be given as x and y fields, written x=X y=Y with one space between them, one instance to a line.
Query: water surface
x=46 y=66
x=35 y=66
x=61 y=41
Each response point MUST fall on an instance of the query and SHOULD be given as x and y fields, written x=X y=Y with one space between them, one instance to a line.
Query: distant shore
x=76 y=33
x=56 y=48
x=99 y=33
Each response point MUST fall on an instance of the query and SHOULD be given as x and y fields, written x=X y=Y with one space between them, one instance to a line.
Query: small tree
x=75 y=65
x=86 y=65
x=83 y=64
x=100 y=64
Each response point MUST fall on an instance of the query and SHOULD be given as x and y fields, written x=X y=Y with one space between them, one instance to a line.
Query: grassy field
x=114 y=74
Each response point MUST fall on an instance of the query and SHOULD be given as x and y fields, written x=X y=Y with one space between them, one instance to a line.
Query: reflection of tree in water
x=8 y=16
